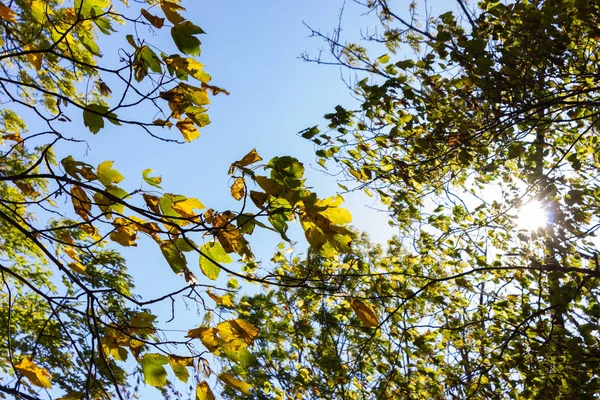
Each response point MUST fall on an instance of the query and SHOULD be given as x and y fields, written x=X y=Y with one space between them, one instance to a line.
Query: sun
x=532 y=216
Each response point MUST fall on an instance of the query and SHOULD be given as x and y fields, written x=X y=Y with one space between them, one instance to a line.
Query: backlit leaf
x=154 y=372
x=238 y=189
x=107 y=175
x=186 y=207
x=215 y=251
x=81 y=202
x=203 y=392
x=236 y=384
x=365 y=313
x=224 y=300
x=179 y=366
x=208 y=337
x=152 y=181
x=37 y=376
x=188 y=129
x=174 y=256
x=7 y=14
x=249 y=159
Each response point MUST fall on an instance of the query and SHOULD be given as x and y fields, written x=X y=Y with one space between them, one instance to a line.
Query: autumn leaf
x=78 y=267
x=224 y=300
x=236 y=384
x=171 y=11
x=123 y=233
x=153 y=19
x=152 y=202
x=37 y=376
x=249 y=159
x=183 y=35
x=174 y=256
x=7 y=14
x=34 y=59
x=186 y=207
x=365 y=313
x=81 y=202
x=208 y=337
x=238 y=189
x=180 y=365
x=188 y=129
x=203 y=392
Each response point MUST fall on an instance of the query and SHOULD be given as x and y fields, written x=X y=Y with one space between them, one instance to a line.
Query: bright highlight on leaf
x=37 y=376
x=203 y=392
x=236 y=384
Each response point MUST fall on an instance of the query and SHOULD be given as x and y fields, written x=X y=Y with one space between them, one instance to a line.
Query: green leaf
x=151 y=59
x=384 y=59
x=174 y=256
x=107 y=175
x=215 y=251
x=152 y=181
x=154 y=372
x=92 y=117
x=184 y=37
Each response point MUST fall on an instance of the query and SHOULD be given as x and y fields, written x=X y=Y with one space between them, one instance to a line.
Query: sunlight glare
x=532 y=216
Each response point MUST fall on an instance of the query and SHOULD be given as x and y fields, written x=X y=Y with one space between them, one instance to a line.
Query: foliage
x=496 y=107
x=71 y=319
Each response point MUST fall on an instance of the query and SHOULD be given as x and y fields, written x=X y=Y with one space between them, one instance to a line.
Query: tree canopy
x=464 y=118
x=73 y=325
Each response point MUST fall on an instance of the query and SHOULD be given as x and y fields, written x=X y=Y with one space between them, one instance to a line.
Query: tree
x=496 y=108
x=70 y=316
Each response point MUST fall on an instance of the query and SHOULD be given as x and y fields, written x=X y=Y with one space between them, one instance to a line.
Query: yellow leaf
x=188 y=129
x=7 y=14
x=237 y=333
x=203 y=392
x=220 y=300
x=236 y=384
x=73 y=254
x=149 y=228
x=248 y=159
x=37 y=376
x=170 y=9
x=365 y=313
x=208 y=337
x=238 y=189
x=123 y=233
x=78 y=267
x=81 y=202
x=268 y=185
x=179 y=366
x=34 y=59
x=186 y=207
x=152 y=202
